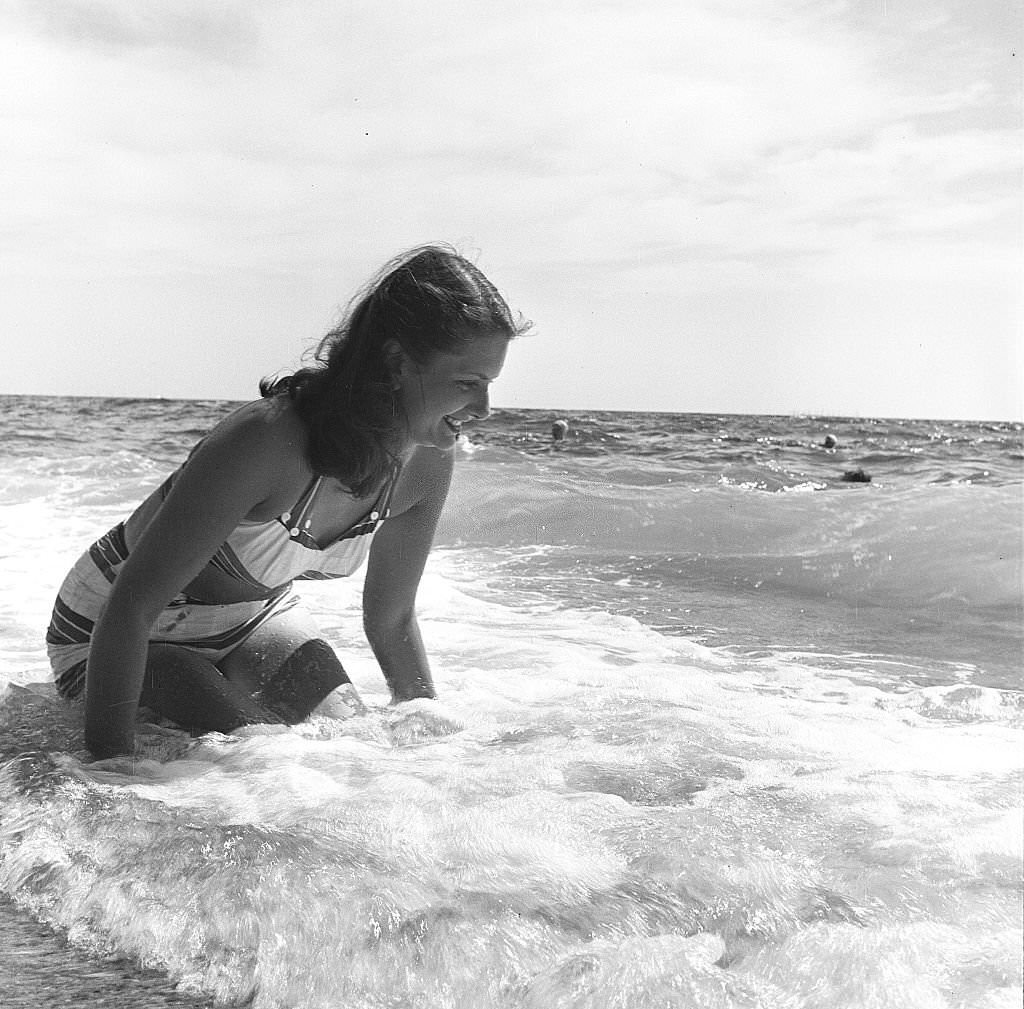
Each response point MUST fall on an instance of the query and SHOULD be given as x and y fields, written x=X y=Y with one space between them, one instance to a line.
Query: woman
x=187 y=608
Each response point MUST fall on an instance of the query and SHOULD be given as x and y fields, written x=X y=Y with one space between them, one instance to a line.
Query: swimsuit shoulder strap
x=301 y=511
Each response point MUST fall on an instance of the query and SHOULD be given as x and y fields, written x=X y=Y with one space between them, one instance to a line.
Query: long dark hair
x=430 y=300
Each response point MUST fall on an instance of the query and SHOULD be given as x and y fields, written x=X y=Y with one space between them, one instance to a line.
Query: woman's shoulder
x=266 y=433
x=254 y=456
x=271 y=423
x=425 y=474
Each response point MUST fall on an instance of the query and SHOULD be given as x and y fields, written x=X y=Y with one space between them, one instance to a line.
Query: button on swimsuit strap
x=304 y=519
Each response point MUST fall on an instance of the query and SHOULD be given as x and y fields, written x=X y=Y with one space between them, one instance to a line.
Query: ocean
x=726 y=718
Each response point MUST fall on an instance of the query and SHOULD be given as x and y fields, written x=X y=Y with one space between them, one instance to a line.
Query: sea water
x=722 y=723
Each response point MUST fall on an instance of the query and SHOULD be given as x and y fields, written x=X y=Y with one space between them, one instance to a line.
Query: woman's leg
x=288 y=667
x=305 y=680
x=190 y=691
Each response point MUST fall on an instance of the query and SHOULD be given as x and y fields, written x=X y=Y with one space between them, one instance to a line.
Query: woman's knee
x=260 y=657
x=304 y=679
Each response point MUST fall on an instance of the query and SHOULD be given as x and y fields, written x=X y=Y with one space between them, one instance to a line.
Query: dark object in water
x=830 y=441
x=856 y=476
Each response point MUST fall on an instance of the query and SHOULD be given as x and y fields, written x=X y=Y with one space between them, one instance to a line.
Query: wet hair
x=428 y=301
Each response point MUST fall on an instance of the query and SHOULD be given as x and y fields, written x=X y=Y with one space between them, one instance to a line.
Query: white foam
x=593 y=815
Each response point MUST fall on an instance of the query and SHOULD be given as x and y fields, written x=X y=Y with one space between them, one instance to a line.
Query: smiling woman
x=187 y=607
x=449 y=391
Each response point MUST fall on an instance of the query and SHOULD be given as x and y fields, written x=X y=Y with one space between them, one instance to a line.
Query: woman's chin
x=443 y=438
x=446 y=435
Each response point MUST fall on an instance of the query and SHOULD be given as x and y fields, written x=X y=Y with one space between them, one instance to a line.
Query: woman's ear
x=394 y=361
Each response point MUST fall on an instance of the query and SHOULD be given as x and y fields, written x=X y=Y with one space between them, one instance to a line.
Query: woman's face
x=449 y=390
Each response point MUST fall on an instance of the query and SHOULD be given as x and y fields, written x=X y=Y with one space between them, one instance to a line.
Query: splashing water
x=600 y=812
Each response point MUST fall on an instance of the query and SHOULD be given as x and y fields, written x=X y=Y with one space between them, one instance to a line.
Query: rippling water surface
x=719 y=726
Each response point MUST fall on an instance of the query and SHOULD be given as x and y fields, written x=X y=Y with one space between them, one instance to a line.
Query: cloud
x=763 y=177
x=220 y=30
x=718 y=136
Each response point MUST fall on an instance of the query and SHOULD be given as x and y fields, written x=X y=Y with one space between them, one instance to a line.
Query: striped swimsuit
x=267 y=556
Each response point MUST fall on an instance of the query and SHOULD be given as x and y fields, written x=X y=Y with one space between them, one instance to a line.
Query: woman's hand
x=422 y=719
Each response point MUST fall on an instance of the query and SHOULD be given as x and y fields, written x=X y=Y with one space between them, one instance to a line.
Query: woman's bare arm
x=235 y=469
x=397 y=558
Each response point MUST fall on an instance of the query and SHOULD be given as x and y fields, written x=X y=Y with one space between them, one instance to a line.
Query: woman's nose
x=481 y=406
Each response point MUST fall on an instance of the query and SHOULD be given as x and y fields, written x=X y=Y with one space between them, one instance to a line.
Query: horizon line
x=563 y=411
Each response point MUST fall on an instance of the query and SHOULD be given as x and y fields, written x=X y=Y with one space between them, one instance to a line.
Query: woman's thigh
x=289 y=668
x=190 y=691
x=255 y=662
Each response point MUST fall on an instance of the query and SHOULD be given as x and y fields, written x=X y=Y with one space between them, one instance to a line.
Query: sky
x=732 y=206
